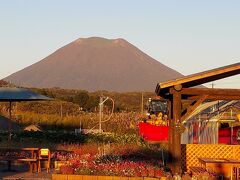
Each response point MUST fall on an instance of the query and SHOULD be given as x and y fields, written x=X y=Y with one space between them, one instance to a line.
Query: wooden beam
x=192 y=107
x=226 y=97
x=207 y=91
x=191 y=97
x=213 y=97
x=199 y=78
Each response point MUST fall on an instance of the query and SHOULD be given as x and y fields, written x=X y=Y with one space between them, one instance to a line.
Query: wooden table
x=222 y=166
x=33 y=159
x=34 y=151
x=14 y=154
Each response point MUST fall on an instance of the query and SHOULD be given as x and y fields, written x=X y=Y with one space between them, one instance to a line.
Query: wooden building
x=184 y=91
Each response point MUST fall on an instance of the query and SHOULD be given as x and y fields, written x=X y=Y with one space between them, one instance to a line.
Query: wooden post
x=10 y=122
x=176 y=133
x=170 y=136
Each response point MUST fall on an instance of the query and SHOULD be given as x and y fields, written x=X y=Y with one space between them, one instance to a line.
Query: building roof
x=20 y=94
x=199 y=78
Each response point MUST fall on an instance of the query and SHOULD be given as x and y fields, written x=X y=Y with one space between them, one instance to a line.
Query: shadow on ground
x=21 y=172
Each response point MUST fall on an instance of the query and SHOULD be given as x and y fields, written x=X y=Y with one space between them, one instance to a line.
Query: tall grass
x=120 y=123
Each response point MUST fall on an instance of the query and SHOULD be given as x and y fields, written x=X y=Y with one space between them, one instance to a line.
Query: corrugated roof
x=20 y=94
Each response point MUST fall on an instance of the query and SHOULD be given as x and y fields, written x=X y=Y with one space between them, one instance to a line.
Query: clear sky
x=186 y=35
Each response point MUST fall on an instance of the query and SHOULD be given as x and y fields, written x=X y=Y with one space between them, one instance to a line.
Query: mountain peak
x=100 y=41
x=93 y=64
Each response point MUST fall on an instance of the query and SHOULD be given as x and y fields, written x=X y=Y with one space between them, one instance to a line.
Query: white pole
x=100 y=114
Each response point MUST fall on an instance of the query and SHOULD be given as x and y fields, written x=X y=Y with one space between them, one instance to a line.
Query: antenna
x=212 y=85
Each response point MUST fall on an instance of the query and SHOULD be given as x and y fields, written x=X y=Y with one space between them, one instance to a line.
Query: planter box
x=58 y=164
x=90 y=177
x=59 y=176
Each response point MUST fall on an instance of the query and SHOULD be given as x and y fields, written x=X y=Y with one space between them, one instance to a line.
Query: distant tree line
x=88 y=101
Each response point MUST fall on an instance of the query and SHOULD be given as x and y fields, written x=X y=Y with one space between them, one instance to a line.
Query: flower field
x=113 y=160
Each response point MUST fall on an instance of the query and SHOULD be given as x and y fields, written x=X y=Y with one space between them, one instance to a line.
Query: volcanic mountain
x=96 y=64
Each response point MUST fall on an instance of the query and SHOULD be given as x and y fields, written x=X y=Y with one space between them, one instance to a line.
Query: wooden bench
x=25 y=155
x=196 y=169
x=9 y=159
x=32 y=162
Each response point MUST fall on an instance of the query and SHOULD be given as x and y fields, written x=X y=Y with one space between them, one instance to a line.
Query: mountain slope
x=96 y=64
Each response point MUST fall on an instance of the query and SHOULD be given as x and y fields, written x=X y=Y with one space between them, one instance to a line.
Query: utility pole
x=61 y=111
x=102 y=101
x=142 y=105
x=80 y=126
x=212 y=84
x=100 y=113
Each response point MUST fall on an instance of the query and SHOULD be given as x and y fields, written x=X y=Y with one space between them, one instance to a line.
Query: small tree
x=81 y=99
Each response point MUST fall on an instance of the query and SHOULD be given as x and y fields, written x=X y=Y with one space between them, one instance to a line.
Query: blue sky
x=188 y=36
